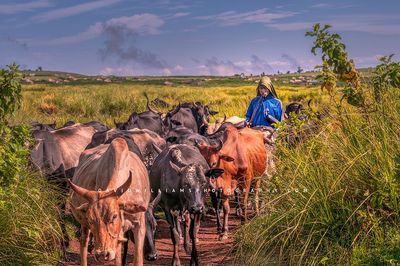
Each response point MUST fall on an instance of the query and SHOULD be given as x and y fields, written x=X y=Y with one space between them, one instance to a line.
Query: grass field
x=105 y=102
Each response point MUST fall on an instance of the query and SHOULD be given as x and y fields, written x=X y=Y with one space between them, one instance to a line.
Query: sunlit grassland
x=106 y=102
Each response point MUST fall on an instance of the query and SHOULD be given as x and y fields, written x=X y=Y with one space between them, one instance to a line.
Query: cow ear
x=131 y=207
x=213 y=112
x=226 y=158
x=122 y=189
x=176 y=122
x=175 y=167
x=133 y=118
x=214 y=173
x=82 y=208
x=171 y=139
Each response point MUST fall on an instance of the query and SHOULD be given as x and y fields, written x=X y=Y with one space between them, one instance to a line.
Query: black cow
x=182 y=175
x=294 y=108
x=183 y=135
x=191 y=115
x=150 y=119
x=40 y=126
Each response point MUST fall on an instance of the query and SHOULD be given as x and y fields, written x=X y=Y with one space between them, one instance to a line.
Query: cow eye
x=113 y=218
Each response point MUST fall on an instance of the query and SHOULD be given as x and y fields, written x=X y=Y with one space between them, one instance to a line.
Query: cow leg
x=237 y=202
x=257 y=196
x=224 y=234
x=216 y=202
x=139 y=232
x=186 y=225
x=65 y=240
x=84 y=245
x=246 y=197
x=118 y=255
x=174 y=237
x=194 y=227
x=197 y=228
x=125 y=248
x=178 y=227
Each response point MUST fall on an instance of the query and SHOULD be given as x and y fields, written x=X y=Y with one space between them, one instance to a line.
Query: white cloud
x=260 y=40
x=217 y=67
x=118 y=71
x=177 y=70
x=321 y=5
x=376 y=24
x=91 y=33
x=25 y=7
x=73 y=10
x=233 y=18
x=181 y=14
x=144 y=24
x=139 y=24
x=291 y=26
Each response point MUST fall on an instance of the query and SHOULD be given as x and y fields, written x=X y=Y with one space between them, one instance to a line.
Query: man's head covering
x=266 y=82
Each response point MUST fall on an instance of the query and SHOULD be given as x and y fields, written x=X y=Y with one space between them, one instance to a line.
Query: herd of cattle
x=118 y=176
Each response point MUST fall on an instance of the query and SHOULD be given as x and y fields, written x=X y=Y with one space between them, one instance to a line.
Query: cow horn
x=148 y=104
x=155 y=202
x=219 y=145
x=115 y=122
x=205 y=122
x=199 y=143
x=177 y=156
x=124 y=187
x=158 y=150
x=87 y=194
x=171 y=113
x=195 y=105
x=223 y=121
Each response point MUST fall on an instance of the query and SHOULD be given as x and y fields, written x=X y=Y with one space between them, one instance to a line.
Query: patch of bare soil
x=211 y=250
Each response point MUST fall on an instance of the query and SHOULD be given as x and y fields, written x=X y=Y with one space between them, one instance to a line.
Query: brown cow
x=242 y=156
x=106 y=201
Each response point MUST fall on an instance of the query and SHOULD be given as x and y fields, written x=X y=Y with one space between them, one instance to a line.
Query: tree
x=299 y=70
x=39 y=68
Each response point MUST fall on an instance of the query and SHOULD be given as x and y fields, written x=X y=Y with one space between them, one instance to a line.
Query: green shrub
x=29 y=218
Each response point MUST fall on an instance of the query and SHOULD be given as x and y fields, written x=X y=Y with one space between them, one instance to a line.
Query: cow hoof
x=223 y=237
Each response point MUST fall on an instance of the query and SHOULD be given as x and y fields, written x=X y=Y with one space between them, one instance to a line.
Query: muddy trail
x=211 y=250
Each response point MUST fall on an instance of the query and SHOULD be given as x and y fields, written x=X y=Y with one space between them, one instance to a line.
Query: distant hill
x=60 y=77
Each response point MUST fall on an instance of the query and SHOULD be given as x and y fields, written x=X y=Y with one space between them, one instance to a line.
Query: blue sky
x=168 y=37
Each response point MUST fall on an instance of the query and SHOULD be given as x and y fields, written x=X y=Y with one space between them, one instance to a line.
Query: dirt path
x=211 y=250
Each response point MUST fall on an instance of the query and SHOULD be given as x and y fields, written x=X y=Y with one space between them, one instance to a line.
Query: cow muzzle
x=107 y=255
x=196 y=209
x=151 y=257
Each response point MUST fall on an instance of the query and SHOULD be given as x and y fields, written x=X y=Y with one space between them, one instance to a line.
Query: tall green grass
x=335 y=197
x=29 y=220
